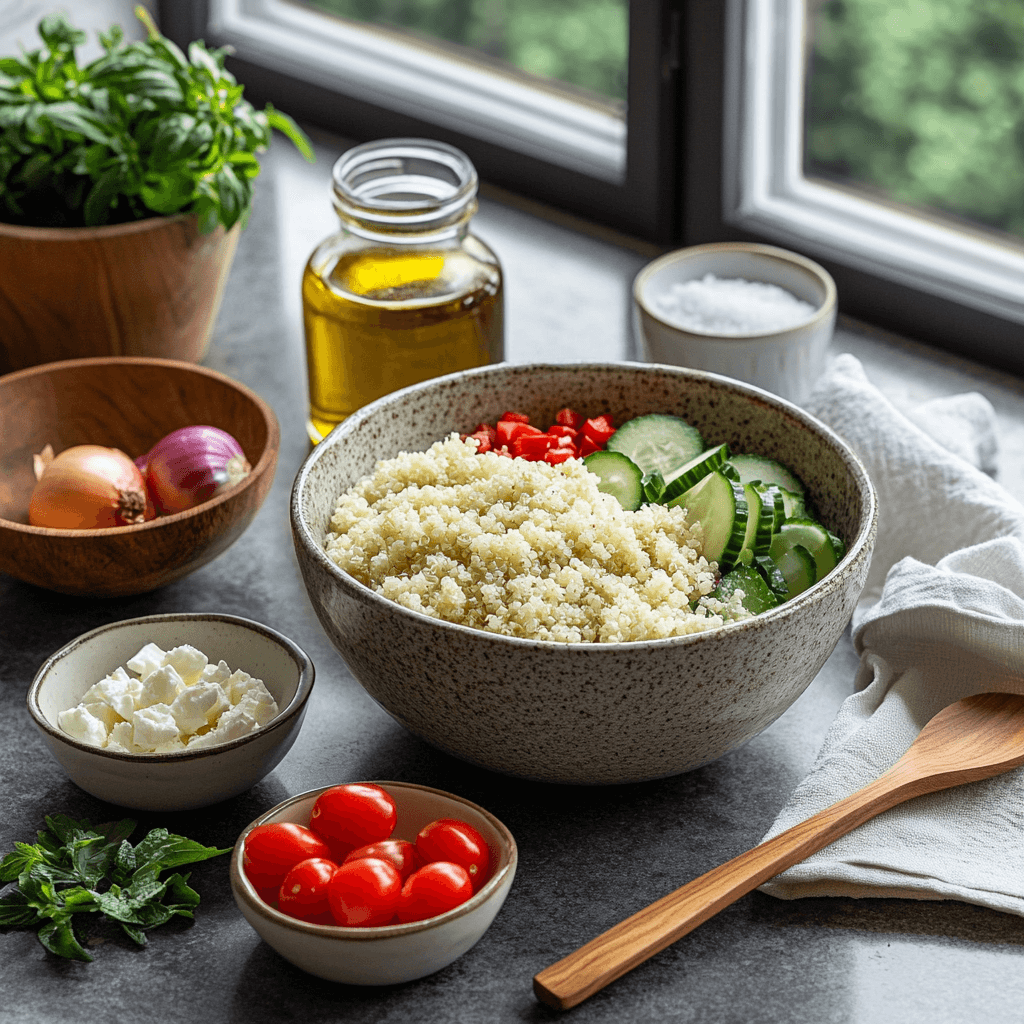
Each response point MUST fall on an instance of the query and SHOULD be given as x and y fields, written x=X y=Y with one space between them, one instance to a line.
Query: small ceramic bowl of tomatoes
x=373 y=883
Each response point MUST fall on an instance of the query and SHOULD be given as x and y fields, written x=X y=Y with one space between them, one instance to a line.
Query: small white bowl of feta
x=172 y=712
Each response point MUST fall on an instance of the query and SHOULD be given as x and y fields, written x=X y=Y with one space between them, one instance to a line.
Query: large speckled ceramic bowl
x=584 y=713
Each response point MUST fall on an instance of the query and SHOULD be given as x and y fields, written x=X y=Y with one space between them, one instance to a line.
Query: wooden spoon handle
x=627 y=944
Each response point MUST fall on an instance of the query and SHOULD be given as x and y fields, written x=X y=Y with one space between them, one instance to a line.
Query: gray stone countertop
x=588 y=857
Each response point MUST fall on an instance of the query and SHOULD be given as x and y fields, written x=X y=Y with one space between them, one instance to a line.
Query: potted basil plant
x=123 y=186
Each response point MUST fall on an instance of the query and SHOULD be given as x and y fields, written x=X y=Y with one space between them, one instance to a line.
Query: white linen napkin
x=942 y=617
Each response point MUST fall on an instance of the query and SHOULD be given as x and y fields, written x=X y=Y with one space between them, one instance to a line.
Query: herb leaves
x=141 y=131
x=76 y=868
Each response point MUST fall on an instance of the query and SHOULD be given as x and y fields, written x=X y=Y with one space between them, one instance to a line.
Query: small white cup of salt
x=755 y=313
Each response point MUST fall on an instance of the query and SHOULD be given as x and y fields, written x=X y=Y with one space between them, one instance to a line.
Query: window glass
x=579 y=43
x=920 y=102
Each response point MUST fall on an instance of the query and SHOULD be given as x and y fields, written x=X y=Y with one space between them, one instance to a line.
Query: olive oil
x=379 y=319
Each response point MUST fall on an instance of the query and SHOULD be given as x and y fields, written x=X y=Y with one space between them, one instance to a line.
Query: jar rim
x=404 y=178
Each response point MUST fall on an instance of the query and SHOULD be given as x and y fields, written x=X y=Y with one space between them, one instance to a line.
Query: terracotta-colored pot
x=146 y=288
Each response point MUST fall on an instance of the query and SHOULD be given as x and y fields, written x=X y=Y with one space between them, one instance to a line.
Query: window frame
x=644 y=204
x=678 y=157
x=726 y=201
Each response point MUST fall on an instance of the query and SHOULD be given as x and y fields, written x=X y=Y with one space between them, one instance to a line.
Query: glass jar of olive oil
x=403 y=292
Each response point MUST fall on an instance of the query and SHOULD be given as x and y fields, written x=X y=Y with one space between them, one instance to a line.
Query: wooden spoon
x=973 y=739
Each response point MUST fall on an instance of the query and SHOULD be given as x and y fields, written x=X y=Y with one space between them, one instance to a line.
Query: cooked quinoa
x=523 y=548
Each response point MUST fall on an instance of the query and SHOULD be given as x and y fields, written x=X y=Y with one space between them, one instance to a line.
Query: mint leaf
x=76 y=868
x=58 y=937
x=162 y=849
x=16 y=912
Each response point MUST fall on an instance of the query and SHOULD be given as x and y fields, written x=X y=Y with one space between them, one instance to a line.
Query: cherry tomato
x=365 y=892
x=433 y=889
x=455 y=841
x=346 y=817
x=396 y=851
x=272 y=850
x=303 y=893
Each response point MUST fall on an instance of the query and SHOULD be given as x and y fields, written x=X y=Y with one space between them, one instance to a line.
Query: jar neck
x=405 y=192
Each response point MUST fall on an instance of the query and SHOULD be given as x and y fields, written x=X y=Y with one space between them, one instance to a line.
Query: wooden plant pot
x=147 y=288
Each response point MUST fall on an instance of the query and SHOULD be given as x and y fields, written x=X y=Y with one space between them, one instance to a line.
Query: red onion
x=192 y=465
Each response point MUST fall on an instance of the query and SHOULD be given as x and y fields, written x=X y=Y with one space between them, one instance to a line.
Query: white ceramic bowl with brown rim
x=184 y=779
x=389 y=954
x=786 y=361
x=584 y=712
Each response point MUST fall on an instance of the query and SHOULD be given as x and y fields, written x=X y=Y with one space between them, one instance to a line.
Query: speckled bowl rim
x=359 y=591
x=266 y=462
x=307 y=675
x=244 y=889
x=826 y=310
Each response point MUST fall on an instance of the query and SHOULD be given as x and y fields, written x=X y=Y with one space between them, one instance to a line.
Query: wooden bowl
x=127 y=403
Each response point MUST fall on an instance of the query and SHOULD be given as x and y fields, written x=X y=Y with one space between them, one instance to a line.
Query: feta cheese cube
x=238 y=685
x=120 y=737
x=201 y=739
x=82 y=726
x=235 y=722
x=104 y=712
x=187 y=662
x=147 y=660
x=259 y=704
x=152 y=726
x=118 y=690
x=219 y=673
x=198 y=705
x=161 y=686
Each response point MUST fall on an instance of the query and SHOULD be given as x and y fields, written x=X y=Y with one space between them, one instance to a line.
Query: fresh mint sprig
x=141 y=131
x=77 y=868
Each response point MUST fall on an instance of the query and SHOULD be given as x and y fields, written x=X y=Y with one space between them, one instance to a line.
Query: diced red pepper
x=588 y=447
x=559 y=430
x=556 y=455
x=569 y=418
x=564 y=442
x=487 y=429
x=532 y=446
x=599 y=429
x=519 y=417
x=509 y=430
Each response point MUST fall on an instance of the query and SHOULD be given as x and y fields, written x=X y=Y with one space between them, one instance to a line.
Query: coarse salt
x=730 y=306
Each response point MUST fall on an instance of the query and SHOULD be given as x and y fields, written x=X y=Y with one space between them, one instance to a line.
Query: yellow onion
x=87 y=487
x=192 y=465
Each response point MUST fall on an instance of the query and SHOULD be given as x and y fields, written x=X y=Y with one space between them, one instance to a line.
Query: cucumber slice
x=794 y=504
x=810 y=535
x=654 y=487
x=797 y=566
x=754 y=509
x=772 y=575
x=772 y=495
x=657 y=442
x=752 y=468
x=756 y=595
x=694 y=471
x=619 y=476
x=720 y=506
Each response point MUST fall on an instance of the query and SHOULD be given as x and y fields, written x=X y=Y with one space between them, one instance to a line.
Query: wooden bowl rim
x=77 y=234
x=266 y=460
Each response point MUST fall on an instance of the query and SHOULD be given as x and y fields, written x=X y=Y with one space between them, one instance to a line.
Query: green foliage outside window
x=923 y=100
x=581 y=42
